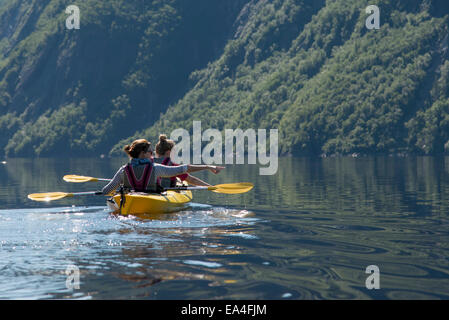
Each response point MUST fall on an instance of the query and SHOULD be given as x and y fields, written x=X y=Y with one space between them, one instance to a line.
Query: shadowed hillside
x=310 y=69
x=74 y=91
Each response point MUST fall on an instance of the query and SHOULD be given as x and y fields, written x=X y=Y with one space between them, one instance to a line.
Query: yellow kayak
x=143 y=203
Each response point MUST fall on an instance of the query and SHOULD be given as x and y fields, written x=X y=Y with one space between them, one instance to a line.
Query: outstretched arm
x=194 y=168
x=173 y=171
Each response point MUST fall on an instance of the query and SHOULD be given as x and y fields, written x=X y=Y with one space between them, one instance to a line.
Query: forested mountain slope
x=309 y=68
x=74 y=91
x=328 y=83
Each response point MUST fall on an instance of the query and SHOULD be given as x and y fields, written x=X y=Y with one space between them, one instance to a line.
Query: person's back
x=137 y=176
x=163 y=152
x=141 y=173
x=165 y=182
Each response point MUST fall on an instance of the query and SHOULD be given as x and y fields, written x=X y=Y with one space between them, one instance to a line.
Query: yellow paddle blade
x=77 y=179
x=49 y=196
x=232 y=188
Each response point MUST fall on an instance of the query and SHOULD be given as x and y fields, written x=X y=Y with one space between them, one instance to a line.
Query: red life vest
x=139 y=185
x=166 y=161
x=166 y=182
x=169 y=182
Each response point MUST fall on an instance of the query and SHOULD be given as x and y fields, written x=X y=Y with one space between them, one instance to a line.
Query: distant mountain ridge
x=310 y=69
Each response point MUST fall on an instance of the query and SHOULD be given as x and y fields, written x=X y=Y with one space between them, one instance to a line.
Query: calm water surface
x=308 y=232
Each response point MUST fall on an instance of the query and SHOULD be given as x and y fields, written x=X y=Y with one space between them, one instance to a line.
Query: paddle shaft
x=87 y=193
x=191 y=188
x=173 y=188
x=231 y=188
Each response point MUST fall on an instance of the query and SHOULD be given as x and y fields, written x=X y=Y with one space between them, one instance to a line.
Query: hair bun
x=134 y=149
x=164 y=145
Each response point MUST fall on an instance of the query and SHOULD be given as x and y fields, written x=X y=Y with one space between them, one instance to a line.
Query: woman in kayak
x=141 y=174
x=163 y=151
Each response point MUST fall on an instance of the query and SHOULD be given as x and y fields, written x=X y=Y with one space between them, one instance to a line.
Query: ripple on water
x=206 y=264
x=410 y=295
x=200 y=218
x=38 y=244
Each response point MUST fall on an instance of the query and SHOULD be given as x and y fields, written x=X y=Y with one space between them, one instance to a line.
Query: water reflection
x=308 y=232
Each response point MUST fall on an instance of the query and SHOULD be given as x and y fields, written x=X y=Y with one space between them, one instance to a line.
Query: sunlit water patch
x=38 y=245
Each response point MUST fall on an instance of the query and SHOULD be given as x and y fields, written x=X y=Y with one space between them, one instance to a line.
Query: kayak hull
x=142 y=203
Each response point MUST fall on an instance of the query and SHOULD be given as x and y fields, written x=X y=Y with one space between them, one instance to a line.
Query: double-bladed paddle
x=228 y=188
